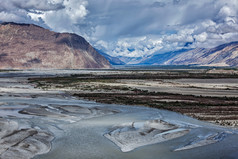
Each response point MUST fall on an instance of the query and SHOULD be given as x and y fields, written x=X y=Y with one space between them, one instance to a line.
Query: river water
x=79 y=132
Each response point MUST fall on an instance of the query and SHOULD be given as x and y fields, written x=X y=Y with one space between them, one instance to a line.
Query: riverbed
x=67 y=128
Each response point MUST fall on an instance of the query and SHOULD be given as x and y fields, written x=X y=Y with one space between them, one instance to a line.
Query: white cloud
x=184 y=35
x=132 y=47
x=64 y=19
x=201 y=37
x=226 y=11
x=59 y=15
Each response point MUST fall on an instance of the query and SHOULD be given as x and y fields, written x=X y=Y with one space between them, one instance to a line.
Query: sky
x=132 y=28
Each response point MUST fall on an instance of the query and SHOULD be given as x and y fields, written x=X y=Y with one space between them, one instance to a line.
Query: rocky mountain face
x=223 y=55
x=27 y=46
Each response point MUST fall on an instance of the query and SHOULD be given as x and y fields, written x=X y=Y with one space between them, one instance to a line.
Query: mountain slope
x=159 y=59
x=27 y=46
x=112 y=60
x=131 y=60
x=223 y=55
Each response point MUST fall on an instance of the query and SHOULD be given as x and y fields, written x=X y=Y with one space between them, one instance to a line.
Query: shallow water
x=83 y=138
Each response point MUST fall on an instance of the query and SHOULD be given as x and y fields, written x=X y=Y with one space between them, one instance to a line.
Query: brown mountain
x=27 y=46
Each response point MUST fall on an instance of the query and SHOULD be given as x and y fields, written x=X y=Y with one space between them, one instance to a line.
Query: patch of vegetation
x=8 y=70
x=102 y=88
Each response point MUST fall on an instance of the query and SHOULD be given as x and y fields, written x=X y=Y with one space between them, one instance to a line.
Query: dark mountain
x=27 y=46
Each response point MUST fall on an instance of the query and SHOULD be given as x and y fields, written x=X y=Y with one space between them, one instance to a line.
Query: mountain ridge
x=225 y=55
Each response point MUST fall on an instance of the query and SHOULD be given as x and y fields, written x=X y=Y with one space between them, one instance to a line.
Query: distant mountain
x=112 y=60
x=160 y=59
x=27 y=46
x=131 y=60
x=223 y=55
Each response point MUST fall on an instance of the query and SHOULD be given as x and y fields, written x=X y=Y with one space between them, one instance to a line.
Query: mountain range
x=27 y=46
x=225 y=55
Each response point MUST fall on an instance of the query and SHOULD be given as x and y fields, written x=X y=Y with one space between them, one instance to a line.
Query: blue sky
x=133 y=27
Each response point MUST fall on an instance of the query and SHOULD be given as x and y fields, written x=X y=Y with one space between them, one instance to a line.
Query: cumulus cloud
x=63 y=19
x=201 y=37
x=17 y=10
x=132 y=47
x=59 y=15
x=133 y=28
